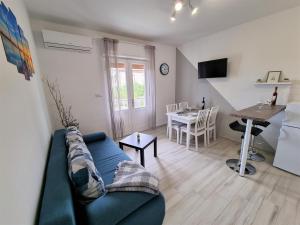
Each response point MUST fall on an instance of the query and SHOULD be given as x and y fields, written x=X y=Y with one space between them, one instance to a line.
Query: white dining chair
x=183 y=105
x=197 y=129
x=211 y=123
x=171 y=108
x=174 y=124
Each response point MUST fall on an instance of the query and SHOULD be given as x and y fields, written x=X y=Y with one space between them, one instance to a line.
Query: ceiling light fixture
x=173 y=16
x=179 y=4
x=194 y=11
x=192 y=8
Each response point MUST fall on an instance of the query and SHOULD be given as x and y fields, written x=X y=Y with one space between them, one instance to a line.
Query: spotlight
x=194 y=10
x=178 y=5
x=173 y=16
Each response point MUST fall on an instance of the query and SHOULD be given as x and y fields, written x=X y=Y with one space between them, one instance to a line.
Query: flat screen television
x=213 y=68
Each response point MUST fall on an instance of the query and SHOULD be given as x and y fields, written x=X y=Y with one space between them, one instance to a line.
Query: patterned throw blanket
x=131 y=176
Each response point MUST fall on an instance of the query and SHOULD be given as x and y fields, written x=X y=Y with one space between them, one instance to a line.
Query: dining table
x=187 y=117
x=258 y=112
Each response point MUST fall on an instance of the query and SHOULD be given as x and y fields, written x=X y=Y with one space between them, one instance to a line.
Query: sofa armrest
x=98 y=136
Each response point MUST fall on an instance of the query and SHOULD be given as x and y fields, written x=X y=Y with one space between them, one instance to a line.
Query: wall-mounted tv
x=213 y=68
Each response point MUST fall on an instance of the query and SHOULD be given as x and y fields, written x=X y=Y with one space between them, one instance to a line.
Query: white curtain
x=111 y=62
x=151 y=85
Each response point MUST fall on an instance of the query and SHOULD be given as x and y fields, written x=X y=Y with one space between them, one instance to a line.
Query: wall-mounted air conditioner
x=59 y=40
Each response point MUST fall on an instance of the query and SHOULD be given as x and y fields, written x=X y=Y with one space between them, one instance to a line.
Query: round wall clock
x=164 y=68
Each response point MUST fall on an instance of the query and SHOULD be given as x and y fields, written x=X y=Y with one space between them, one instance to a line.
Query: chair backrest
x=171 y=108
x=212 y=115
x=202 y=118
x=183 y=105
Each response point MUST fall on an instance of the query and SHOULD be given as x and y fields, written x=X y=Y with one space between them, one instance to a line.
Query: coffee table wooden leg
x=121 y=146
x=142 y=157
x=155 y=147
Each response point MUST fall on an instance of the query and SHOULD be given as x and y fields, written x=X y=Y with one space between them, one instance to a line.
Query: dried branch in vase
x=64 y=112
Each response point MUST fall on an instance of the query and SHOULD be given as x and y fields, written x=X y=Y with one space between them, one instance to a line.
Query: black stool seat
x=258 y=123
x=242 y=128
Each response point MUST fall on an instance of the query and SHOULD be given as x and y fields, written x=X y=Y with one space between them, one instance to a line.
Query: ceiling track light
x=192 y=8
x=173 y=16
x=179 y=4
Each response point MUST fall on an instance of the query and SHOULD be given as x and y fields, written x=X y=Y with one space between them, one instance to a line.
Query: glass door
x=139 y=99
x=131 y=89
x=119 y=86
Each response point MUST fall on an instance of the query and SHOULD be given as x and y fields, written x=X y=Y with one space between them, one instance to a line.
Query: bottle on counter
x=274 y=97
x=138 y=137
x=203 y=103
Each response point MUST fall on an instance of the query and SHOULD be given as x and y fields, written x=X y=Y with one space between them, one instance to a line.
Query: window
x=119 y=85
x=138 y=77
x=129 y=88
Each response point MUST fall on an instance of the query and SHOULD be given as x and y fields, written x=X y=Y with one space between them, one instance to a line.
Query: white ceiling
x=150 y=19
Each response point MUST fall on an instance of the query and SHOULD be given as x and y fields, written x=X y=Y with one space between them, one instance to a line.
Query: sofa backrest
x=57 y=206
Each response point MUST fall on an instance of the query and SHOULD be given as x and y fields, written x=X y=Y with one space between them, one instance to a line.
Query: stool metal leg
x=235 y=165
x=241 y=165
x=253 y=154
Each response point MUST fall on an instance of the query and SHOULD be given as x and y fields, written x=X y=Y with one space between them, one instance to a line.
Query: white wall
x=165 y=85
x=24 y=135
x=81 y=83
x=81 y=76
x=253 y=49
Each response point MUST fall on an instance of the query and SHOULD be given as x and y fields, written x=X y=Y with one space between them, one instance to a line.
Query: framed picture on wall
x=273 y=76
x=15 y=44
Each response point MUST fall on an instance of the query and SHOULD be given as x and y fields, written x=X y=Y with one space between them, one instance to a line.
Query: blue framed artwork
x=15 y=44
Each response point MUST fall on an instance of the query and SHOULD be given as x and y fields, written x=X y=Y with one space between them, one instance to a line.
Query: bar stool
x=253 y=154
x=234 y=164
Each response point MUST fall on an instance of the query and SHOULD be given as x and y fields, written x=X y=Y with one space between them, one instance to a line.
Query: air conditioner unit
x=59 y=40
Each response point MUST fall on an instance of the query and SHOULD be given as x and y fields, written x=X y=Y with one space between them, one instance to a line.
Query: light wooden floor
x=200 y=189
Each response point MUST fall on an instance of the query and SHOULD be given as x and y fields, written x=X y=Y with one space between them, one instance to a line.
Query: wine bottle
x=203 y=103
x=274 y=97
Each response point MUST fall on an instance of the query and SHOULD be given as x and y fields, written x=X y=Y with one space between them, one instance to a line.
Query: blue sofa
x=59 y=205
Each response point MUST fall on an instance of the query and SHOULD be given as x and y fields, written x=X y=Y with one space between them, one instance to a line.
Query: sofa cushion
x=57 y=205
x=84 y=175
x=144 y=215
x=98 y=136
x=73 y=135
x=106 y=155
x=112 y=207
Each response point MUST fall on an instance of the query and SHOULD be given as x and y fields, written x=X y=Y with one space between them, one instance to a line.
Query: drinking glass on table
x=260 y=104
